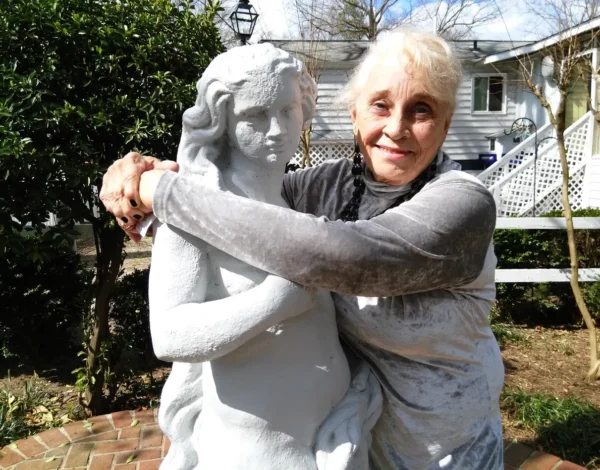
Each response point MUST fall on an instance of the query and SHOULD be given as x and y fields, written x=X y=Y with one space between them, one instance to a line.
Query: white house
x=491 y=97
x=487 y=104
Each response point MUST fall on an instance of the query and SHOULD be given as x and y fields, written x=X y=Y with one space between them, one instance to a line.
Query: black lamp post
x=243 y=20
x=520 y=127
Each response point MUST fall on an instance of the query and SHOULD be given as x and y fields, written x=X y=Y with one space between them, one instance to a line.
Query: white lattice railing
x=551 y=200
x=513 y=159
x=325 y=151
x=514 y=192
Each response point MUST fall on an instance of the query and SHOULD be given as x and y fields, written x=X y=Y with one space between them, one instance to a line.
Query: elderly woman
x=401 y=239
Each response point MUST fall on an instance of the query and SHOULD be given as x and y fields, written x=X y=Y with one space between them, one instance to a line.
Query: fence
x=546 y=275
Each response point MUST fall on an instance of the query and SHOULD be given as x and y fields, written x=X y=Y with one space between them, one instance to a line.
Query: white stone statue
x=273 y=390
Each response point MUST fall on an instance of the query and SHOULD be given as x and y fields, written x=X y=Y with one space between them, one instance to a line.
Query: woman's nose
x=396 y=127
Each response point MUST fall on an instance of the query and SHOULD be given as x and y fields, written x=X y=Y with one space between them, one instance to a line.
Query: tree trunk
x=305 y=141
x=594 y=371
x=109 y=246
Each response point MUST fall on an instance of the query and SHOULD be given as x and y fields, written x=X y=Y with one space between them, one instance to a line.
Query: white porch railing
x=546 y=275
x=512 y=177
x=320 y=152
x=513 y=159
x=551 y=199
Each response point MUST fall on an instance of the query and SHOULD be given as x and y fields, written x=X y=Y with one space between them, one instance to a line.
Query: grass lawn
x=547 y=402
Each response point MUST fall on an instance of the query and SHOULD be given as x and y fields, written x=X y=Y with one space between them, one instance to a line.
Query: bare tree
x=355 y=19
x=566 y=52
x=563 y=15
x=366 y=19
x=312 y=54
x=455 y=19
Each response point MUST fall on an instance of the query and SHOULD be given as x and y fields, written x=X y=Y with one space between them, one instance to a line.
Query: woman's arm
x=439 y=239
x=184 y=327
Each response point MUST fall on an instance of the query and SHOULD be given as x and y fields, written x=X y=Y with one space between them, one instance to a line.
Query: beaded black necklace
x=350 y=212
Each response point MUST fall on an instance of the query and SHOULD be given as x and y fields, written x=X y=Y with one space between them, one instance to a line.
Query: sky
x=515 y=23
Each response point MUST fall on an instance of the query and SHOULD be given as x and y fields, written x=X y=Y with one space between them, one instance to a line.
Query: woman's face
x=399 y=126
x=265 y=119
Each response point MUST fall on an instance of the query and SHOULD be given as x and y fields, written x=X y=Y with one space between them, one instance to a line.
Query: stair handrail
x=529 y=161
x=505 y=159
x=522 y=167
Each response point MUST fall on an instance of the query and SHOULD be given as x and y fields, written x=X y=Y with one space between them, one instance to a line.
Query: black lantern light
x=243 y=20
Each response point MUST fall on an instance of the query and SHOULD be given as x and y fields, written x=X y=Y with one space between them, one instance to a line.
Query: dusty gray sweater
x=413 y=287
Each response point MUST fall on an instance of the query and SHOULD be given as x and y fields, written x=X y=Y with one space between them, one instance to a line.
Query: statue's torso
x=296 y=368
x=283 y=382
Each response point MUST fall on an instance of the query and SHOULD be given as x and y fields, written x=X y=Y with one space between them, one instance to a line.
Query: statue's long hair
x=205 y=124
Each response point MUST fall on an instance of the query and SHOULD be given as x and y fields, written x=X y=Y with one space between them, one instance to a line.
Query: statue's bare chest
x=229 y=276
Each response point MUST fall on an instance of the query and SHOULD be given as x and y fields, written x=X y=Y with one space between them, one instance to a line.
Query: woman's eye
x=422 y=109
x=380 y=106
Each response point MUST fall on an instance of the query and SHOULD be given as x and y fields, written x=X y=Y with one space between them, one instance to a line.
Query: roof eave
x=544 y=43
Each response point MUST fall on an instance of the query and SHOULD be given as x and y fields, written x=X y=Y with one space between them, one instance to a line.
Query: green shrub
x=546 y=303
x=82 y=82
x=43 y=299
x=12 y=426
x=507 y=334
x=129 y=316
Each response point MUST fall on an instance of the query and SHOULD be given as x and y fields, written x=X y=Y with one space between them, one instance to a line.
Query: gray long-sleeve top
x=413 y=287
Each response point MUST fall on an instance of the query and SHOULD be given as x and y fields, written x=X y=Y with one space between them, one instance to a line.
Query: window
x=492 y=145
x=489 y=93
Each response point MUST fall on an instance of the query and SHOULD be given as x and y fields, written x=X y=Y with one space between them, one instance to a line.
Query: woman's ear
x=352 y=110
x=447 y=124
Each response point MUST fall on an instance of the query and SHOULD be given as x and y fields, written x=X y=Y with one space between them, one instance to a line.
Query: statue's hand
x=120 y=192
x=299 y=299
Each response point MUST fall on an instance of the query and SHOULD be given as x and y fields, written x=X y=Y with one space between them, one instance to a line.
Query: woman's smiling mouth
x=394 y=153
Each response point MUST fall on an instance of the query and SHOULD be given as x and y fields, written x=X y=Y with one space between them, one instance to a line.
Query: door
x=579 y=93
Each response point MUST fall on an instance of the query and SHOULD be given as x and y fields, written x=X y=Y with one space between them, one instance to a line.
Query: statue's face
x=265 y=119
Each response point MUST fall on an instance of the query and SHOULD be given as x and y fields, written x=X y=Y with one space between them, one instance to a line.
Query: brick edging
x=132 y=440
x=519 y=456
x=98 y=443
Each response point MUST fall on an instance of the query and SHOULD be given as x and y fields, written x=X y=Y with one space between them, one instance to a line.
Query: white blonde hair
x=428 y=54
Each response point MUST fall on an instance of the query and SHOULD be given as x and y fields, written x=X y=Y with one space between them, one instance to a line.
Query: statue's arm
x=184 y=327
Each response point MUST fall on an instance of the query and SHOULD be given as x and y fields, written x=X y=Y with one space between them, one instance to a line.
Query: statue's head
x=254 y=99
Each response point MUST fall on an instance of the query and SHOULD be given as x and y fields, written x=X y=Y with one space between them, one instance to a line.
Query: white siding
x=466 y=137
x=331 y=122
x=592 y=183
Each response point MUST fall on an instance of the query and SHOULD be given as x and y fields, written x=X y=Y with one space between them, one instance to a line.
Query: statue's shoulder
x=167 y=238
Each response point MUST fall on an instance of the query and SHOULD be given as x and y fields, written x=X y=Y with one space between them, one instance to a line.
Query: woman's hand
x=120 y=192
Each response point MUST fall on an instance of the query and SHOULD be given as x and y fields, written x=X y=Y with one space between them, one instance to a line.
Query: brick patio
x=133 y=441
